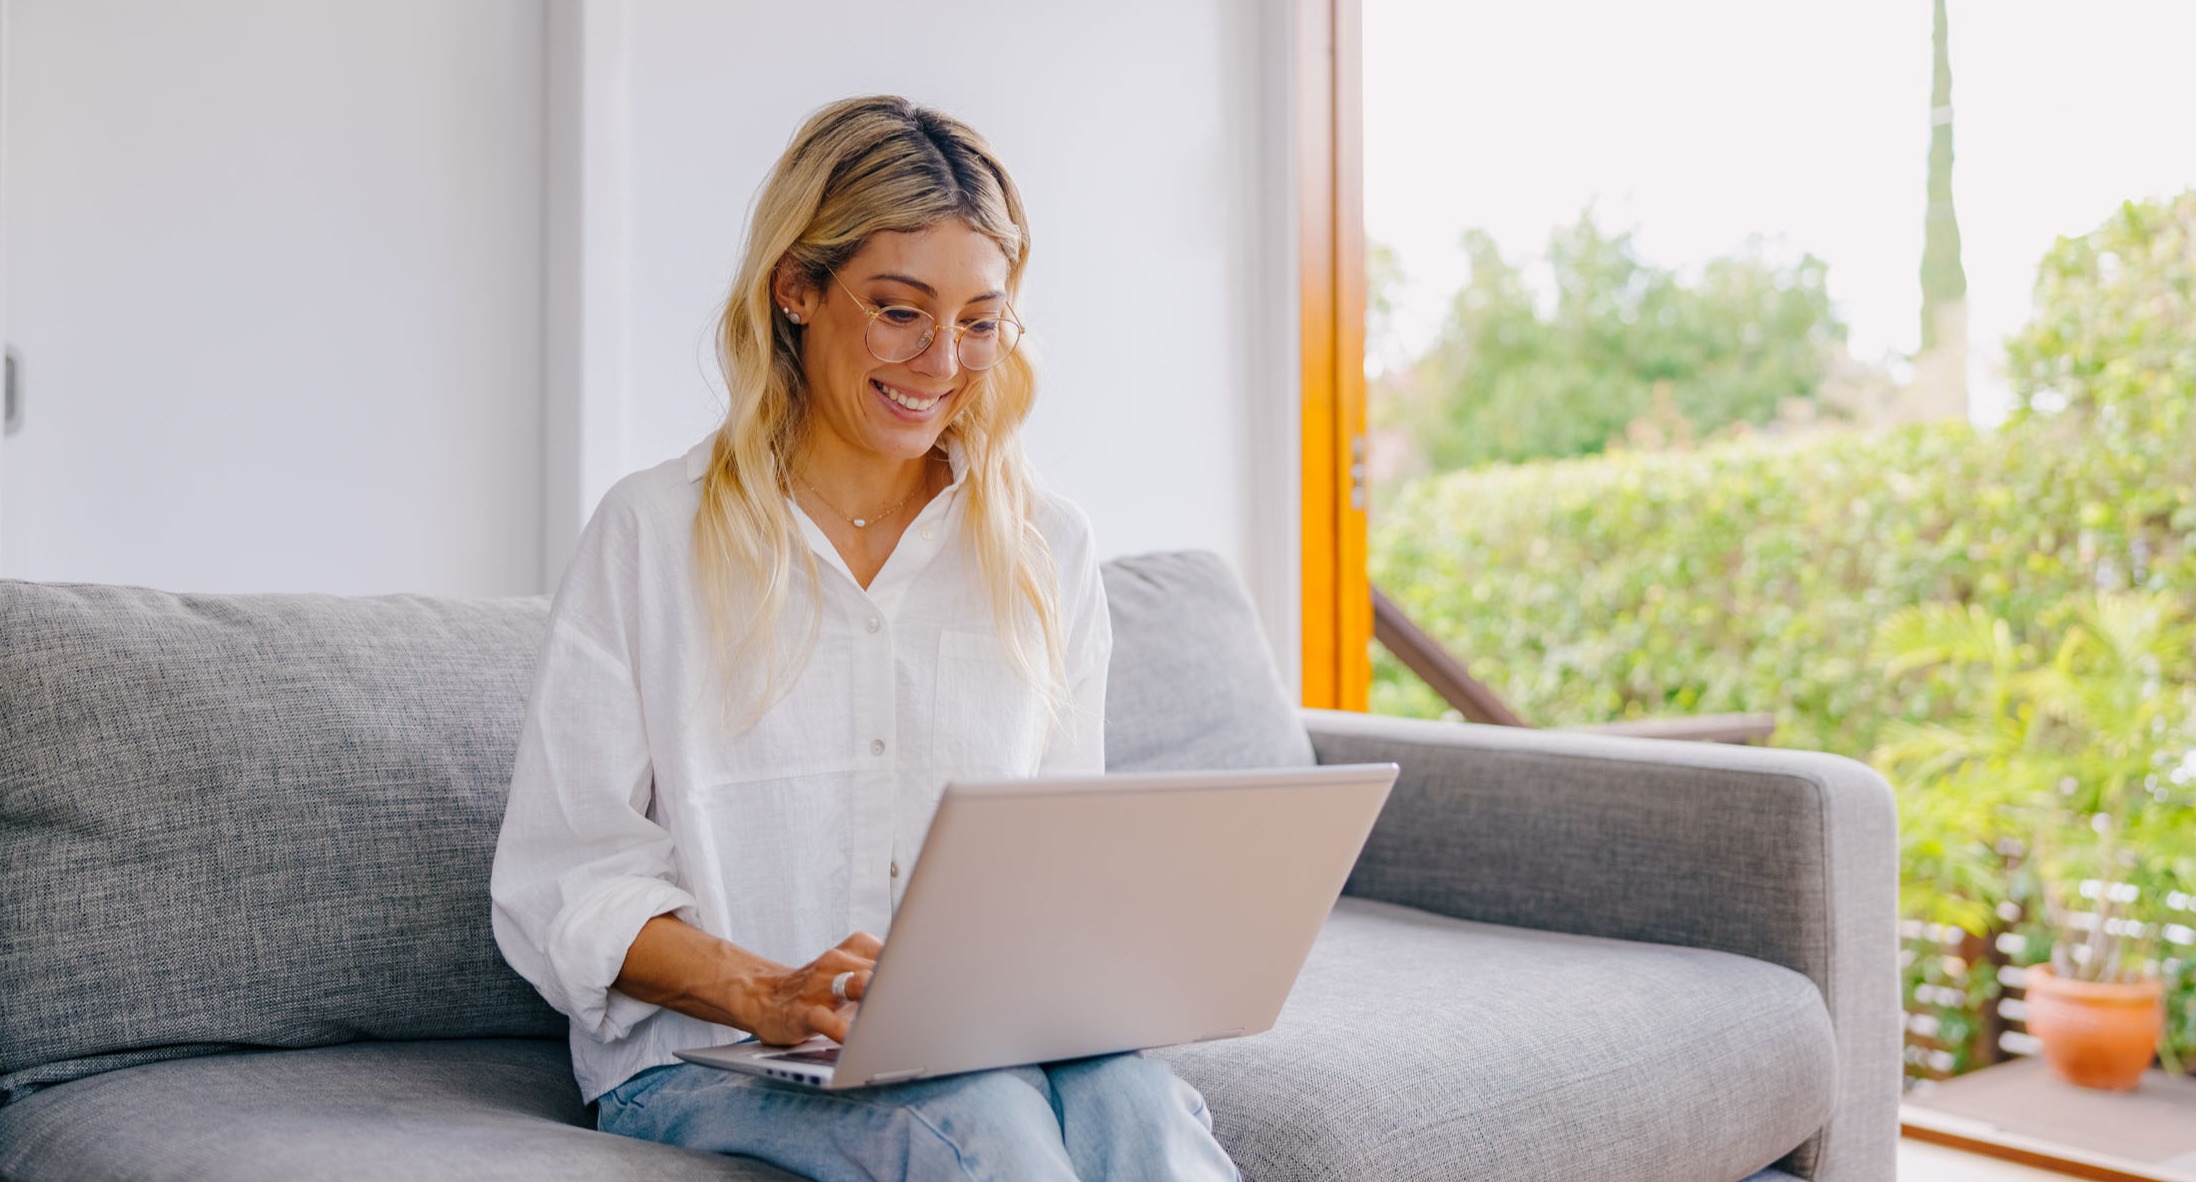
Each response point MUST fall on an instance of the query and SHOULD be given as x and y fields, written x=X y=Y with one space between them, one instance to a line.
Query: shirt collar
x=697 y=457
x=919 y=543
x=955 y=459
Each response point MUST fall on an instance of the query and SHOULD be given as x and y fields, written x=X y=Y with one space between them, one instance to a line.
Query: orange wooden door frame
x=1338 y=615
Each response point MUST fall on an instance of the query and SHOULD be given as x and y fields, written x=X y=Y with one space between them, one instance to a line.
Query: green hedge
x=1751 y=575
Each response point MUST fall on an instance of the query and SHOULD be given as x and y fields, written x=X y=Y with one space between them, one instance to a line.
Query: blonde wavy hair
x=857 y=167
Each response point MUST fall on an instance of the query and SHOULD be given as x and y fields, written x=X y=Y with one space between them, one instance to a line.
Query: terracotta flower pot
x=2096 y=1034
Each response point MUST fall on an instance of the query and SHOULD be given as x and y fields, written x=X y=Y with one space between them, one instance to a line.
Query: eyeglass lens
x=898 y=333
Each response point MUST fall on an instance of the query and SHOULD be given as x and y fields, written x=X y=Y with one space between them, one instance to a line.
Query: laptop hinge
x=899 y=1076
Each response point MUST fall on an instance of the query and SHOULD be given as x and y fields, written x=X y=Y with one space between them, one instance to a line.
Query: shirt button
x=928 y=532
x=876 y=746
x=895 y=870
x=875 y=623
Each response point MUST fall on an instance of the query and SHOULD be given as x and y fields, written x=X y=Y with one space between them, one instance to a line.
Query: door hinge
x=1357 y=471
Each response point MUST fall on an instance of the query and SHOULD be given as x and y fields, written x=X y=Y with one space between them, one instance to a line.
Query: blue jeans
x=1119 y=1117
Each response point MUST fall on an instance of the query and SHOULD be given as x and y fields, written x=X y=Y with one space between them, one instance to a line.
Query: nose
x=941 y=360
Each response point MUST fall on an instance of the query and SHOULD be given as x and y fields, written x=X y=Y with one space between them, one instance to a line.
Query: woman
x=767 y=657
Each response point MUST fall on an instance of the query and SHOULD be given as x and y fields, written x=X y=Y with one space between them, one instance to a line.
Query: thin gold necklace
x=872 y=519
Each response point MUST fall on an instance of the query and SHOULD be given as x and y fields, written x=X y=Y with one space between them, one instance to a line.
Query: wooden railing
x=1437 y=666
x=1470 y=697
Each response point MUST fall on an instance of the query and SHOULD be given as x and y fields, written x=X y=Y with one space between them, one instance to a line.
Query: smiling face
x=879 y=411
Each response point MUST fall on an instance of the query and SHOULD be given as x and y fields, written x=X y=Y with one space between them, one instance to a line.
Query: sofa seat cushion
x=474 y=1109
x=1418 y=1046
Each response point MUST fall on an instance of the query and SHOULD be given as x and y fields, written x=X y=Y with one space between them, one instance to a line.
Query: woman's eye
x=902 y=316
x=982 y=328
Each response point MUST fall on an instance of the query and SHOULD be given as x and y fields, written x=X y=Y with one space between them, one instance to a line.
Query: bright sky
x=1699 y=122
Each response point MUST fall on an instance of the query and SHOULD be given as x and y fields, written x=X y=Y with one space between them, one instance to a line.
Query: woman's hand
x=671 y=963
x=790 y=1006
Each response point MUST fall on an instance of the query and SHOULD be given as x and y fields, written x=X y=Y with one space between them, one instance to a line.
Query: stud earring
x=791 y=315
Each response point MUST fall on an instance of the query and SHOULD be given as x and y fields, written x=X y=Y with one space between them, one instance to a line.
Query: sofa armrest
x=1785 y=856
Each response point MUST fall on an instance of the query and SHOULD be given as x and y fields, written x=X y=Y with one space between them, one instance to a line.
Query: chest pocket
x=988 y=721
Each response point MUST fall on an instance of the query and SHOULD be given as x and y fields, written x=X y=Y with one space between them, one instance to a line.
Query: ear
x=793 y=296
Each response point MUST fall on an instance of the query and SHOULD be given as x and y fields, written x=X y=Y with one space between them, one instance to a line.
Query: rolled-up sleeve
x=580 y=865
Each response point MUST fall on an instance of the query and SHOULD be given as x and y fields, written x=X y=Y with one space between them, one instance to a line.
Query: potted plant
x=2078 y=767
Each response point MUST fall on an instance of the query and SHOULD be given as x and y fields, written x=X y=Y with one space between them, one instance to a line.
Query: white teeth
x=906 y=400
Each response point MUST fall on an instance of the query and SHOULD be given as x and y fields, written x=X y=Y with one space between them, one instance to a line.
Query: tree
x=1939 y=388
x=1943 y=279
x=2112 y=340
x=1622 y=340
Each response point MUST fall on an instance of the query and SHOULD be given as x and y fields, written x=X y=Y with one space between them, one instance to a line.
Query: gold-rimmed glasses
x=898 y=332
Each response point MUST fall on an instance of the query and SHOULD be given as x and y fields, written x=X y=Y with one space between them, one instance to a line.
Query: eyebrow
x=928 y=290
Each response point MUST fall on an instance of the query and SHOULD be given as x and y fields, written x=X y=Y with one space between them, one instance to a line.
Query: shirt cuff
x=588 y=945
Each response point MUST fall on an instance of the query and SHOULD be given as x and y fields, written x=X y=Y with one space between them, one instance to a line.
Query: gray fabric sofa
x=244 y=918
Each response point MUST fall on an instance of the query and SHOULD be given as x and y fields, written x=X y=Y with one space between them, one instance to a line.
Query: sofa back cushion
x=257 y=820
x=1193 y=684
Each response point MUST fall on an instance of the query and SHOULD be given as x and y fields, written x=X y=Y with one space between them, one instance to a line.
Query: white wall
x=274 y=271
x=1150 y=142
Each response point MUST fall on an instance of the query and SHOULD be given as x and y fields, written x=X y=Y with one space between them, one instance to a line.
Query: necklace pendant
x=860 y=523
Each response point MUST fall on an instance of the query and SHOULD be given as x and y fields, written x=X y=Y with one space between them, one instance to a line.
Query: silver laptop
x=1053 y=919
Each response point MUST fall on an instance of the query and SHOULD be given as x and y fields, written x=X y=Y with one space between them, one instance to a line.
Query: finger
x=838 y=961
x=862 y=944
x=829 y=1022
x=857 y=986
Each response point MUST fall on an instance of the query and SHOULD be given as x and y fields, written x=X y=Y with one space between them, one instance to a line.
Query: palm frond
x=1925 y=634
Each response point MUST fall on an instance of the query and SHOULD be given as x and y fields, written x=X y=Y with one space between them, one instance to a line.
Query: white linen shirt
x=632 y=798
